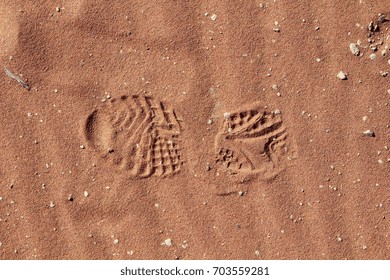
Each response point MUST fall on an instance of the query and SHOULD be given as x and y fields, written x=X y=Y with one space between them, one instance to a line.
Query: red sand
x=194 y=130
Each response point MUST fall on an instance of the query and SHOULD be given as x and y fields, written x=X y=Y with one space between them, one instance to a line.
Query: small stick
x=16 y=78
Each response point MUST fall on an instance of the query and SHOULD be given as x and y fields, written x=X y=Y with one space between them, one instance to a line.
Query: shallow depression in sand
x=138 y=134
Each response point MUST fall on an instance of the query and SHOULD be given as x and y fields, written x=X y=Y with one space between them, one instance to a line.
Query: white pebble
x=167 y=242
x=277 y=112
x=354 y=49
x=342 y=75
x=369 y=133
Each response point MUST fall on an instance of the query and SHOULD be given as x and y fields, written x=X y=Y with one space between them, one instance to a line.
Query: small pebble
x=86 y=194
x=116 y=241
x=167 y=242
x=342 y=75
x=82 y=147
x=354 y=49
x=372 y=56
x=369 y=133
x=382 y=18
x=365 y=118
x=58 y=9
x=213 y=17
x=226 y=115
x=52 y=205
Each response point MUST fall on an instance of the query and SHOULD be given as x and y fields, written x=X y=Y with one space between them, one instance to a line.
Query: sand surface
x=194 y=129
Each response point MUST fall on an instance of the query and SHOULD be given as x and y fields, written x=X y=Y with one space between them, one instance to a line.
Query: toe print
x=252 y=142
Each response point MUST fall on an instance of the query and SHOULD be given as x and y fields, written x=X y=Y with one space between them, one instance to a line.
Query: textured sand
x=194 y=130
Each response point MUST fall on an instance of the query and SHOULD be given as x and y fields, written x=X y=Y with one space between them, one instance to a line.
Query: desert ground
x=194 y=129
